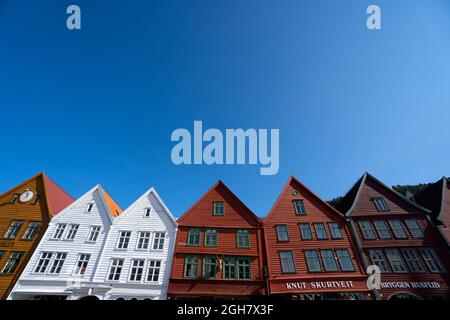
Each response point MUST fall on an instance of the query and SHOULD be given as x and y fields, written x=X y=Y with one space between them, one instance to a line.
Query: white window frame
x=79 y=274
x=130 y=273
x=70 y=230
x=155 y=238
x=148 y=270
x=58 y=226
x=56 y=259
x=119 y=238
x=139 y=236
x=90 y=207
x=91 y=232
x=111 y=266
x=149 y=210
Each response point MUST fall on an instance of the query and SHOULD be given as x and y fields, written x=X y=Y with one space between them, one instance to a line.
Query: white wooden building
x=63 y=265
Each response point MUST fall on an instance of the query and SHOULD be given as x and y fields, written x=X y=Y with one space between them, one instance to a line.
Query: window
x=380 y=204
x=243 y=240
x=229 y=268
x=82 y=263
x=321 y=233
x=335 y=231
x=345 y=261
x=378 y=259
x=36 y=200
x=13 y=229
x=43 y=262
x=328 y=260
x=93 y=234
x=137 y=270
x=154 y=269
x=236 y=268
x=14 y=198
x=396 y=261
x=90 y=207
x=193 y=237
x=305 y=231
x=243 y=268
x=209 y=267
x=191 y=267
x=147 y=212
x=12 y=263
x=299 y=207
x=72 y=232
x=218 y=208
x=413 y=260
x=287 y=262
x=366 y=229
x=32 y=230
x=143 y=240
x=211 y=238
x=397 y=228
x=59 y=231
x=2 y=253
x=124 y=239
x=382 y=229
x=158 y=241
x=432 y=260
x=312 y=260
x=282 y=233
x=414 y=228
x=58 y=263
x=115 y=270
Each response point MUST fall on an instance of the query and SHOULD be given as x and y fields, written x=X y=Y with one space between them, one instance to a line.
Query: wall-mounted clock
x=26 y=196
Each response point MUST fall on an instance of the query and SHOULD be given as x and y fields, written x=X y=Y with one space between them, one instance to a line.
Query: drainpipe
x=266 y=280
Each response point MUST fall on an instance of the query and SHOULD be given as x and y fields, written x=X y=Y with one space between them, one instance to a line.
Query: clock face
x=26 y=196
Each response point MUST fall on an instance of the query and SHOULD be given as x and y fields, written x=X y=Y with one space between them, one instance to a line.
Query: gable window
x=299 y=206
x=305 y=231
x=243 y=265
x=431 y=259
x=229 y=268
x=335 y=231
x=380 y=204
x=414 y=228
x=287 y=262
x=43 y=262
x=366 y=229
x=282 y=233
x=124 y=239
x=158 y=240
x=143 y=240
x=90 y=207
x=211 y=238
x=14 y=198
x=396 y=261
x=382 y=229
x=13 y=229
x=137 y=270
x=397 y=228
x=12 y=263
x=378 y=259
x=58 y=262
x=81 y=265
x=191 y=267
x=72 y=232
x=218 y=208
x=243 y=240
x=345 y=261
x=209 y=267
x=31 y=231
x=94 y=231
x=312 y=260
x=413 y=260
x=154 y=269
x=115 y=269
x=193 y=237
x=147 y=212
x=321 y=233
x=328 y=260
x=59 y=231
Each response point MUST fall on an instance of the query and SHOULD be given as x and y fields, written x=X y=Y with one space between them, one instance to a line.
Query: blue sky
x=99 y=105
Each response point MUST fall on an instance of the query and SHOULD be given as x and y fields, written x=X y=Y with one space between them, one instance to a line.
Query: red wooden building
x=311 y=254
x=399 y=237
x=219 y=250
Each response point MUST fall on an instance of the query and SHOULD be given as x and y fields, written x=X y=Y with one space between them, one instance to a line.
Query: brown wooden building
x=219 y=250
x=311 y=254
x=24 y=215
x=398 y=236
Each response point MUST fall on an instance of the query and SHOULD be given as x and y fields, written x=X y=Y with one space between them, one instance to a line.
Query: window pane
x=218 y=208
x=335 y=230
x=282 y=233
x=194 y=237
x=377 y=258
x=211 y=238
x=328 y=260
x=345 y=261
x=299 y=207
x=287 y=262
x=209 y=267
x=243 y=240
x=413 y=260
x=191 y=267
x=414 y=228
x=305 y=231
x=431 y=259
x=397 y=228
x=320 y=231
x=366 y=229
x=312 y=261
x=396 y=261
x=380 y=204
x=382 y=229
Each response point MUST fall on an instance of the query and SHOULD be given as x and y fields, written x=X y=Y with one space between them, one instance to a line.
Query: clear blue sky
x=99 y=105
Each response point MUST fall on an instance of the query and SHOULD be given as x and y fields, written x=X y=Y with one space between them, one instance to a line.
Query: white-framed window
x=335 y=230
x=12 y=263
x=299 y=206
x=143 y=240
x=137 y=270
x=94 y=231
x=218 y=208
x=59 y=231
x=397 y=228
x=413 y=260
x=32 y=230
x=43 y=262
x=158 y=240
x=414 y=228
x=124 y=239
x=82 y=263
x=147 y=212
x=396 y=261
x=154 y=269
x=321 y=232
x=13 y=229
x=378 y=259
x=287 y=261
x=431 y=259
x=366 y=229
x=381 y=204
x=90 y=207
x=72 y=232
x=282 y=233
x=345 y=260
x=313 y=261
x=382 y=229
x=329 y=261
x=58 y=262
x=115 y=269
x=305 y=231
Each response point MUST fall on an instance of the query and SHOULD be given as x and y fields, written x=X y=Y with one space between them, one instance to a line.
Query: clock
x=26 y=196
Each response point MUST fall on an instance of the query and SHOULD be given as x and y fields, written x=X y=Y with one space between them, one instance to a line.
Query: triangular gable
x=57 y=198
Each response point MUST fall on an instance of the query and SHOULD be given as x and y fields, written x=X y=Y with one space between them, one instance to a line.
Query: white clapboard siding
x=133 y=219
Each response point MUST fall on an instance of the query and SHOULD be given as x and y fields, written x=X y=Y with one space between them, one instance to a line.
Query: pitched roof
x=433 y=198
x=349 y=201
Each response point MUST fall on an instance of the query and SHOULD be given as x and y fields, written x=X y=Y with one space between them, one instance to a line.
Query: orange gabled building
x=219 y=250
x=310 y=250
x=25 y=212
